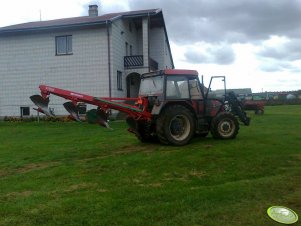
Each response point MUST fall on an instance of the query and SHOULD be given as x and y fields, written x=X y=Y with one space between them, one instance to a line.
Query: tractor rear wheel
x=175 y=125
x=224 y=126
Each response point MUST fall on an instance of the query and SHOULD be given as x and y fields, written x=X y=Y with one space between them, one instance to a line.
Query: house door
x=133 y=84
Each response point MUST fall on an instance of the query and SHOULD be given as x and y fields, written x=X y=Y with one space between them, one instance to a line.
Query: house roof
x=76 y=21
x=156 y=19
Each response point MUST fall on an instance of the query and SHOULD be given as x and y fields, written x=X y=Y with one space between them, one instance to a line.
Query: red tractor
x=172 y=107
x=255 y=105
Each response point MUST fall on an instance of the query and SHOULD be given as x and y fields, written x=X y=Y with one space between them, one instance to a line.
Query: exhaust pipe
x=42 y=104
x=73 y=110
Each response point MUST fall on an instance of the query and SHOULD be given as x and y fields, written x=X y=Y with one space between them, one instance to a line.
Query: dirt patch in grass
x=298 y=156
x=133 y=149
x=3 y=173
x=127 y=149
x=74 y=188
x=35 y=166
x=81 y=186
x=195 y=173
x=102 y=190
x=27 y=168
x=175 y=176
x=15 y=195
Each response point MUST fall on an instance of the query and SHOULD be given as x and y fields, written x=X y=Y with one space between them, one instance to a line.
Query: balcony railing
x=133 y=61
x=137 y=62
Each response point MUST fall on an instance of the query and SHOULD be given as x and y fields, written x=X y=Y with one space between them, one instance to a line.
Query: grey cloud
x=214 y=55
x=278 y=65
x=227 y=21
x=289 y=51
x=280 y=57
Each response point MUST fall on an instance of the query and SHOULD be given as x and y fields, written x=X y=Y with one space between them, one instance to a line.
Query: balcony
x=136 y=61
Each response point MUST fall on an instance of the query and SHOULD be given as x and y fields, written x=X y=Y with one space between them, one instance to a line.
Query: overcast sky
x=254 y=43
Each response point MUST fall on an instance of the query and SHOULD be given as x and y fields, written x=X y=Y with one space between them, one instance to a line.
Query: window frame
x=68 y=42
x=177 y=87
x=126 y=48
x=119 y=80
x=26 y=109
x=131 y=50
x=130 y=26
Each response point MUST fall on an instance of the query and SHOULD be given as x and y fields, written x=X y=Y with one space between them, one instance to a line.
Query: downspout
x=148 y=44
x=109 y=58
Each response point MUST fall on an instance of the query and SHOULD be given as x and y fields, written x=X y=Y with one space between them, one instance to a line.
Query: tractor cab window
x=151 y=86
x=195 y=90
x=177 y=87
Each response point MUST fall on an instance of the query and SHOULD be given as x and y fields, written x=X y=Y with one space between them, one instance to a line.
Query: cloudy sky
x=255 y=43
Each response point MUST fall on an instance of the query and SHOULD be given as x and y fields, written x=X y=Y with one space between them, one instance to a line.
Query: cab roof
x=173 y=72
x=180 y=72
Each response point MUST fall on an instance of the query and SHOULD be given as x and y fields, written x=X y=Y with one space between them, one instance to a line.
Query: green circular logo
x=282 y=214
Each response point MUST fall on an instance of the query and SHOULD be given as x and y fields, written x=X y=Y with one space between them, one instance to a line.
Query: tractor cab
x=170 y=86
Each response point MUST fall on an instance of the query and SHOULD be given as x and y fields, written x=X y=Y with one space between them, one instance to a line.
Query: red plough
x=104 y=104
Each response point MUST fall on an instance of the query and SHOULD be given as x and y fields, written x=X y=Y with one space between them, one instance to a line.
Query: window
x=126 y=49
x=119 y=80
x=151 y=86
x=63 y=45
x=177 y=87
x=195 y=91
x=131 y=50
x=25 y=111
x=130 y=26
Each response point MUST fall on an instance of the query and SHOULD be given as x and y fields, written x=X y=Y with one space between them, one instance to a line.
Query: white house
x=97 y=55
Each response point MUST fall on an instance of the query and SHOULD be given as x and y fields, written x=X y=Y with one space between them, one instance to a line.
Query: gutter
x=10 y=31
x=109 y=57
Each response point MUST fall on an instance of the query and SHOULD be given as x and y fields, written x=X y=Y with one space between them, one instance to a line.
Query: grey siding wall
x=167 y=55
x=159 y=50
x=29 y=60
x=120 y=35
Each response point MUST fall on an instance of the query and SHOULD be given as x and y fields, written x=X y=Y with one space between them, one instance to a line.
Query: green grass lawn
x=81 y=174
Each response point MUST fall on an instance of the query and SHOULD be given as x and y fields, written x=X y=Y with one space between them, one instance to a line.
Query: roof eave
x=44 y=28
x=143 y=14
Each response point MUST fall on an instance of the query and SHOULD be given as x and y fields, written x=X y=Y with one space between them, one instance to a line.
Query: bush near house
x=79 y=174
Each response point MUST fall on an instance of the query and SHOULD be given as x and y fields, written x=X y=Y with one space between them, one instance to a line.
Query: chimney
x=93 y=10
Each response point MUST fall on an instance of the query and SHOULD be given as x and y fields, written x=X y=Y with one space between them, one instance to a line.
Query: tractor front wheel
x=259 y=111
x=224 y=126
x=175 y=125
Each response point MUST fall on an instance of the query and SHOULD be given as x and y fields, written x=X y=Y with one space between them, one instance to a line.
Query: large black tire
x=224 y=126
x=175 y=125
